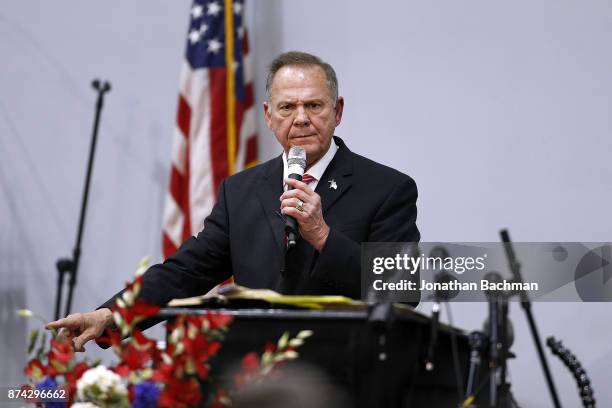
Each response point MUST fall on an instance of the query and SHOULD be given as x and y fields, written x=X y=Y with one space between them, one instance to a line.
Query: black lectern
x=376 y=367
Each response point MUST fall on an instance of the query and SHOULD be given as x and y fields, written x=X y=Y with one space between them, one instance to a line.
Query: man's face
x=301 y=111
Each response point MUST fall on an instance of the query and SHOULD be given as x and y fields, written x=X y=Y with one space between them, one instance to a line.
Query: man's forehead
x=303 y=81
x=301 y=71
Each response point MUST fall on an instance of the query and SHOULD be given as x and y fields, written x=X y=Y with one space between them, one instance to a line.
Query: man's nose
x=301 y=117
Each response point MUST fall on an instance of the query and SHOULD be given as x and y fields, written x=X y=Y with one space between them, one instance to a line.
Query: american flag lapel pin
x=332 y=184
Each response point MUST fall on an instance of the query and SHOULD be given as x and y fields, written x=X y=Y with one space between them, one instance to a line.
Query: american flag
x=215 y=134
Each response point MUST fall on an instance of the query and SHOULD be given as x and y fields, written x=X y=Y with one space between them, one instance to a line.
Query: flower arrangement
x=146 y=376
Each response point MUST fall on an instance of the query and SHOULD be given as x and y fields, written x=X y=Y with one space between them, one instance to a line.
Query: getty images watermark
x=471 y=272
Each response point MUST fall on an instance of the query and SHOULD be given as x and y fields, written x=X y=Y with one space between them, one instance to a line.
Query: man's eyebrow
x=294 y=101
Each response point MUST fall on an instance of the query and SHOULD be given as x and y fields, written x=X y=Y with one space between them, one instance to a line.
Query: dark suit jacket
x=244 y=234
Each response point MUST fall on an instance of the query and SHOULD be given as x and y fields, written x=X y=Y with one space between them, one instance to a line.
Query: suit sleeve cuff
x=338 y=264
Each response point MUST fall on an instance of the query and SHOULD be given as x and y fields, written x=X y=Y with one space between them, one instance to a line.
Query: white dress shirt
x=317 y=169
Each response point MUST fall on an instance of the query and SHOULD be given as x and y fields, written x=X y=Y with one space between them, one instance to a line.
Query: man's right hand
x=83 y=326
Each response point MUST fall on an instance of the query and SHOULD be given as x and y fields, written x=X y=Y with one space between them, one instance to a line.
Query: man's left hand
x=309 y=214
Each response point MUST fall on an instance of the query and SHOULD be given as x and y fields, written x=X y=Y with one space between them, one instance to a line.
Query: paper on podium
x=226 y=294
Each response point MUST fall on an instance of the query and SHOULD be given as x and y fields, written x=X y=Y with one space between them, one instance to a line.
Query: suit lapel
x=337 y=178
x=269 y=190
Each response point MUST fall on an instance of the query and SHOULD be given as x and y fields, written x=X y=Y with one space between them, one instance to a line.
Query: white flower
x=106 y=380
x=83 y=405
x=128 y=297
x=143 y=265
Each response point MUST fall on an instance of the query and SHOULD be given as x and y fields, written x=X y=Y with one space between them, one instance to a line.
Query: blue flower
x=49 y=383
x=146 y=395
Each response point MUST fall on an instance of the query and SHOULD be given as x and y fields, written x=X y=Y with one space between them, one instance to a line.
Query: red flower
x=218 y=320
x=250 y=362
x=162 y=373
x=218 y=401
x=136 y=354
x=72 y=377
x=180 y=393
x=111 y=337
x=35 y=370
x=139 y=311
x=60 y=355
x=269 y=347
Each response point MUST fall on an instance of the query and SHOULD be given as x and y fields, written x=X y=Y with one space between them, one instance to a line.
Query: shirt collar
x=319 y=167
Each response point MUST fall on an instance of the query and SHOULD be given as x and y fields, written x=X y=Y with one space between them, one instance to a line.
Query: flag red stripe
x=218 y=127
x=184 y=204
x=251 y=149
x=179 y=188
x=183 y=116
x=248 y=95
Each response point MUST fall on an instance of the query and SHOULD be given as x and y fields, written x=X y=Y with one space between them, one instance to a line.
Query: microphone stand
x=476 y=341
x=515 y=267
x=499 y=353
x=70 y=265
x=499 y=340
x=494 y=343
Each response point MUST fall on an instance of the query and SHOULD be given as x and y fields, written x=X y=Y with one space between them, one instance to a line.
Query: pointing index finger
x=68 y=322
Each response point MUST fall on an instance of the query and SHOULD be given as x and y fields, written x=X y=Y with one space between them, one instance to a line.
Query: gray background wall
x=499 y=110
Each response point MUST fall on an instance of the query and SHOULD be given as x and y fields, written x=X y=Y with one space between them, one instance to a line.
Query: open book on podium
x=235 y=297
x=232 y=295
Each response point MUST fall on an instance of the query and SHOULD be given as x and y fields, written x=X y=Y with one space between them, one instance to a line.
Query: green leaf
x=40 y=352
x=32 y=340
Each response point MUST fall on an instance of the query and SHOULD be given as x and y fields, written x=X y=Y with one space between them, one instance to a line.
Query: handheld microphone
x=296 y=163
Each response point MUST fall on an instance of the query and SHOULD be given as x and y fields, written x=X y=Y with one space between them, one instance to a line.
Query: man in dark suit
x=344 y=200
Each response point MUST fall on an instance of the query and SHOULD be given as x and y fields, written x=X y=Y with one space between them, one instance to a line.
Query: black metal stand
x=494 y=349
x=477 y=342
x=515 y=267
x=70 y=265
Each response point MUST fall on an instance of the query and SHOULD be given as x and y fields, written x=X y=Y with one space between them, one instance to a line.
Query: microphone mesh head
x=296 y=160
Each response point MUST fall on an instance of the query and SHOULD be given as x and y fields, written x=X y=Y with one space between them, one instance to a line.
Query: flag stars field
x=194 y=36
x=197 y=11
x=213 y=9
x=214 y=45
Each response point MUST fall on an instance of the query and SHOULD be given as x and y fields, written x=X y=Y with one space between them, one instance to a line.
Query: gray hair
x=303 y=59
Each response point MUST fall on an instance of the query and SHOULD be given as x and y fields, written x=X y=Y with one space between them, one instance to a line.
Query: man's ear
x=339 y=109
x=267 y=114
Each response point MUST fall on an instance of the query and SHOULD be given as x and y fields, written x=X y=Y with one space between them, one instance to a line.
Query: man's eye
x=315 y=105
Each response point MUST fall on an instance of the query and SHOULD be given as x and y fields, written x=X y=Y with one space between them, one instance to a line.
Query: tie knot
x=307 y=178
